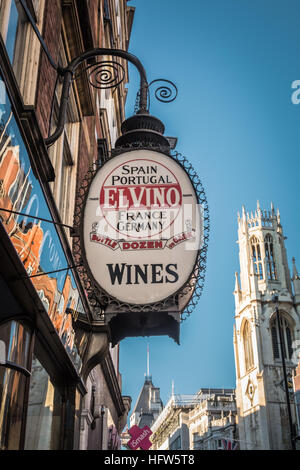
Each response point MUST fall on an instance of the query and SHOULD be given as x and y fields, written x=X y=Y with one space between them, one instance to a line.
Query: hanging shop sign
x=142 y=227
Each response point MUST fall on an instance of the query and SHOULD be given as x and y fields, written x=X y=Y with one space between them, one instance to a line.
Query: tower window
x=256 y=255
x=275 y=343
x=248 y=351
x=286 y=335
x=270 y=260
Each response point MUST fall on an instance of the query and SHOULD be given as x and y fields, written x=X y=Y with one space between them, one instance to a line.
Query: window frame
x=270 y=258
x=285 y=325
x=256 y=255
x=248 y=346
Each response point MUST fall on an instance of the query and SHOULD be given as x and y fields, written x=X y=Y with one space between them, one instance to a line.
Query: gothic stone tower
x=260 y=395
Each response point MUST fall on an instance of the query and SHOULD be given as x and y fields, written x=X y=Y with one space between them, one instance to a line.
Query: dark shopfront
x=40 y=377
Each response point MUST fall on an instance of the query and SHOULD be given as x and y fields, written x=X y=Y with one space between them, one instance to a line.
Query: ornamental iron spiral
x=164 y=93
x=105 y=74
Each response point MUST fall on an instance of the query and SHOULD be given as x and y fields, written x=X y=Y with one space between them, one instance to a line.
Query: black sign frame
x=105 y=306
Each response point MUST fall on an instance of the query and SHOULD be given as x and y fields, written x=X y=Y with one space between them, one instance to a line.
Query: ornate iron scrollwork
x=105 y=74
x=164 y=93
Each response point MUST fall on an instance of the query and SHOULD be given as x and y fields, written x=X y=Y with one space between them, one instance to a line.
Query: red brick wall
x=47 y=75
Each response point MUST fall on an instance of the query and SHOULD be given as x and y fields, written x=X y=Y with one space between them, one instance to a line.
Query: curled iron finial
x=165 y=93
x=104 y=74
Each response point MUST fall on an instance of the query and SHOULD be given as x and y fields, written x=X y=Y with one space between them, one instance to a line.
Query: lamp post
x=275 y=301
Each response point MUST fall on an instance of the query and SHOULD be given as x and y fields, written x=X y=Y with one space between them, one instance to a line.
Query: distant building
x=206 y=420
x=170 y=430
x=260 y=393
x=148 y=405
x=212 y=423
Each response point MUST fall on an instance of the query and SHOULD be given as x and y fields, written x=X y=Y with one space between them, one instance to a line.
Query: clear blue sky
x=233 y=62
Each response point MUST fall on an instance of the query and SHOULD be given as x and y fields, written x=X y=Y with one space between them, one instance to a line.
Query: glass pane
x=17 y=341
x=36 y=242
x=44 y=411
x=9 y=23
x=12 y=389
x=267 y=251
x=78 y=400
x=253 y=252
x=258 y=252
x=269 y=271
x=260 y=271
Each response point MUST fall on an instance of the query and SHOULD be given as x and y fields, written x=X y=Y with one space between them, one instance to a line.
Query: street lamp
x=275 y=301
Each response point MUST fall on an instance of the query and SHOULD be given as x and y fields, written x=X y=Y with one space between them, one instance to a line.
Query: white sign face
x=142 y=227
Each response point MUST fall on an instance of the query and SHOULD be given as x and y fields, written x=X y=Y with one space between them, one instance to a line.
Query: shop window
x=21 y=43
x=13 y=380
x=43 y=423
x=36 y=242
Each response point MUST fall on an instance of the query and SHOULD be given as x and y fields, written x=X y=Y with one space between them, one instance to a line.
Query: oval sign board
x=142 y=227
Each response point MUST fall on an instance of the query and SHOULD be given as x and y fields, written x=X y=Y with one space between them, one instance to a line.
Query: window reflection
x=36 y=242
x=12 y=388
x=16 y=338
x=44 y=411
x=9 y=18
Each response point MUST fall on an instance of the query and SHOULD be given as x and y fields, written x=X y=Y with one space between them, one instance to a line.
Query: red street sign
x=140 y=438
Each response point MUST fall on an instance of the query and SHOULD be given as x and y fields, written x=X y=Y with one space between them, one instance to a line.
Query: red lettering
x=140 y=197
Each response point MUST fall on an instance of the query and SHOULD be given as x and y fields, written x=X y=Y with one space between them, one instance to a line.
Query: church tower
x=260 y=393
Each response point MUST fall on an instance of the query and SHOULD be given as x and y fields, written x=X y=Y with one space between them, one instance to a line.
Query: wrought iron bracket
x=39 y=218
x=53 y=272
x=103 y=74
